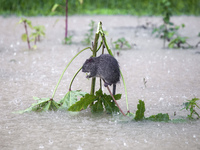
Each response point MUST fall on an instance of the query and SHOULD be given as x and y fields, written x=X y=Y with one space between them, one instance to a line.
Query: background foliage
x=132 y=7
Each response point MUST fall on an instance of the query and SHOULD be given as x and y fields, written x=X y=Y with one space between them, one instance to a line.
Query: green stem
x=94 y=55
x=74 y=78
x=125 y=91
x=66 y=69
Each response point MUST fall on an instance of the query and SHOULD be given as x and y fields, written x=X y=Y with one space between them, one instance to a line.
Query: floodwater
x=172 y=76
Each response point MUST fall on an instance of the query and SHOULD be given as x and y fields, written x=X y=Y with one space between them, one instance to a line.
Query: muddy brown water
x=172 y=76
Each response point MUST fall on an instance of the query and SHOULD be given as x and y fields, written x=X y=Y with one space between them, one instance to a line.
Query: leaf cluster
x=168 y=31
x=42 y=104
x=191 y=105
x=48 y=104
x=98 y=103
x=121 y=43
x=35 y=35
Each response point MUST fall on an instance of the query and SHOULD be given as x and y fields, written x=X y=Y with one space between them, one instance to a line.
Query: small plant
x=35 y=36
x=179 y=42
x=89 y=36
x=191 y=105
x=68 y=40
x=168 y=31
x=121 y=43
x=39 y=32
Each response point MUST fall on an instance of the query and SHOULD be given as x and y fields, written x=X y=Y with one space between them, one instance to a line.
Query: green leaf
x=97 y=107
x=140 y=111
x=159 y=117
x=70 y=98
x=100 y=100
x=83 y=103
x=24 y=37
x=47 y=106
x=54 y=7
x=34 y=46
x=29 y=23
x=43 y=104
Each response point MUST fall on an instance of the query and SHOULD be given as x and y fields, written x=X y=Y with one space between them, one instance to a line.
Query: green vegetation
x=132 y=7
x=191 y=105
x=97 y=101
x=35 y=36
x=140 y=114
x=121 y=43
x=168 y=31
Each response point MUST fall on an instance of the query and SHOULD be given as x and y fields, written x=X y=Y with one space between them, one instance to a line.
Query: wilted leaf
x=43 y=104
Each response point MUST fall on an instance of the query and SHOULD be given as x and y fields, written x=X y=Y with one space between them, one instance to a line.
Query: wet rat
x=106 y=67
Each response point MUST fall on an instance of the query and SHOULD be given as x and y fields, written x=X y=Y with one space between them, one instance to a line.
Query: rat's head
x=89 y=65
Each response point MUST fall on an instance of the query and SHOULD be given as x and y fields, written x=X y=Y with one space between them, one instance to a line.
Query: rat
x=106 y=67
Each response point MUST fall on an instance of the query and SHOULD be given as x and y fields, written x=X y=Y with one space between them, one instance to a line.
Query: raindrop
x=79 y=148
x=41 y=146
x=145 y=140
x=50 y=142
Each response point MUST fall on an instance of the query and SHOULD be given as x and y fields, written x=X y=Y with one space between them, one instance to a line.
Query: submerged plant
x=34 y=36
x=68 y=40
x=168 y=31
x=191 y=105
x=39 y=32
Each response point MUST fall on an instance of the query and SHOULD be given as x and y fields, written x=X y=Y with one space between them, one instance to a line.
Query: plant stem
x=115 y=101
x=25 y=26
x=74 y=78
x=125 y=90
x=94 y=55
x=66 y=69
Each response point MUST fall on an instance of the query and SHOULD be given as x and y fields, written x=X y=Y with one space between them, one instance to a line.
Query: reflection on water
x=172 y=77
